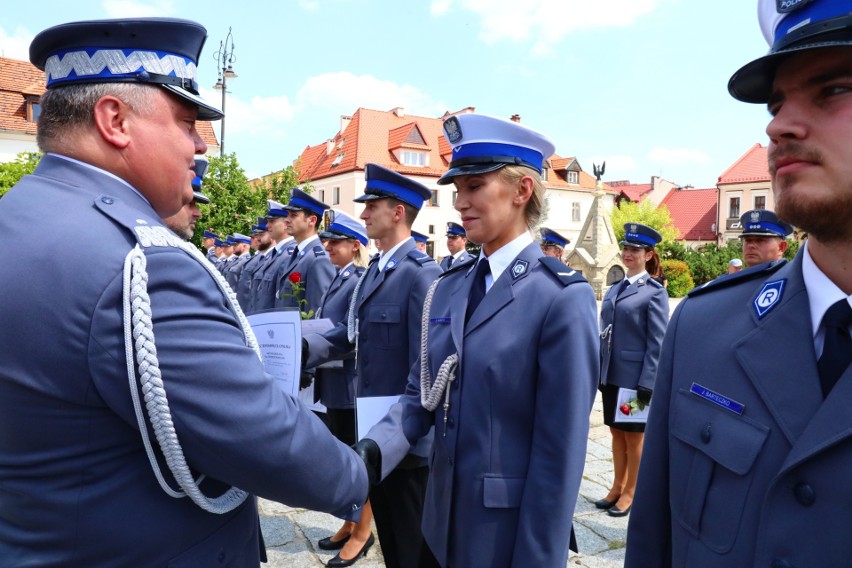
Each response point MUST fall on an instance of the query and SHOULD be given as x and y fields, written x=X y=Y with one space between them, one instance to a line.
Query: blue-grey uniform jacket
x=232 y=273
x=335 y=386
x=315 y=273
x=243 y=287
x=464 y=257
x=508 y=457
x=390 y=304
x=633 y=324
x=76 y=486
x=745 y=463
x=264 y=283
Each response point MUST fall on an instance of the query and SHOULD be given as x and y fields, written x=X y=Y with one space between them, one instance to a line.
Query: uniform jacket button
x=706 y=433
x=221 y=557
x=107 y=200
x=804 y=494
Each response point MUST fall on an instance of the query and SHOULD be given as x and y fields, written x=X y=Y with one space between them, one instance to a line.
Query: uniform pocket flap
x=731 y=440
x=503 y=492
x=633 y=355
x=383 y=313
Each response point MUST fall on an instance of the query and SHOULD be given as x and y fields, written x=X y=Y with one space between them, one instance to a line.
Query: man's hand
x=372 y=456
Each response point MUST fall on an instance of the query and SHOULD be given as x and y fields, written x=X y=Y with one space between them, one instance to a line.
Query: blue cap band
x=640 y=238
x=815 y=12
x=494 y=152
x=344 y=230
x=98 y=64
x=395 y=191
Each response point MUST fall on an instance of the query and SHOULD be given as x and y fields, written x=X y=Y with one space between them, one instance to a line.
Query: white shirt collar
x=281 y=244
x=303 y=245
x=500 y=259
x=388 y=254
x=822 y=294
x=633 y=279
x=457 y=255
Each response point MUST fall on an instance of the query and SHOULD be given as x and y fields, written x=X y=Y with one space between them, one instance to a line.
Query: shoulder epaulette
x=421 y=257
x=459 y=267
x=565 y=274
x=148 y=232
x=653 y=282
x=727 y=280
x=319 y=250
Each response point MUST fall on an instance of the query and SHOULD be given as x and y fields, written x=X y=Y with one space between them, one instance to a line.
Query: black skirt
x=609 y=395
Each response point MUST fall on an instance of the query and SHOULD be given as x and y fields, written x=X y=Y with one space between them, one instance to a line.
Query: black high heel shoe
x=604 y=504
x=338 y=562
x=328 y=544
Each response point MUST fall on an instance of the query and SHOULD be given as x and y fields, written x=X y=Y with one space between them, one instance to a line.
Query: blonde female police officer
x=512 y=418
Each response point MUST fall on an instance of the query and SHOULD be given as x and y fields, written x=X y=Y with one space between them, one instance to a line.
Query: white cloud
x=135 y=8
x=259 y=115
x=17 y=44
x=343 y=92
x=677 y=156
x=309 y=5
x=440 y=7
x=617 y=167
x=548 y=21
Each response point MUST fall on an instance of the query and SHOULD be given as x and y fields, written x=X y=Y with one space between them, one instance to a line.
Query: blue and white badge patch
x=519 y=268
x=768 y=297
x=391 y=264
x=453 y=130
x=716 y=398
x=346 y=273
x=784 y=6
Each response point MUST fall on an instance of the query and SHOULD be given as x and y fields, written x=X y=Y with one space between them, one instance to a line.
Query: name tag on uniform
x=439 y=320
x=717 y=398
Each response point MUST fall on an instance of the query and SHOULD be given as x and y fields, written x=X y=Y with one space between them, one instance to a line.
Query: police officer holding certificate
x=136 y=421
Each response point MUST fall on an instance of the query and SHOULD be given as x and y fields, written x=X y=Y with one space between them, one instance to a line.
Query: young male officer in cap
x=243 y=255
x=264 y=282
x=183 y=222
x=309 y=263
x=136 y=422
x=764 y=237
x=552 y=243
x=749 y=447
x=207 y=243
x=383 y=326
x=456 y=243
x=263 y=244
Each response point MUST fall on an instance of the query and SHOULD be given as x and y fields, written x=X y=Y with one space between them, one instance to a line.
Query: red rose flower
x=295 y=277
x=625 y=409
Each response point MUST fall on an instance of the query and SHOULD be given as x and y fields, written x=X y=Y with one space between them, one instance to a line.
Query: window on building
x=337 y=160
x=760 y=202
x=433 y=201
x=321 y=194
x=575 y=211
x=33 y=109
x=573 y=177
x=335 y=196
x=431 y=229
x=414 y=158
x=734 y=207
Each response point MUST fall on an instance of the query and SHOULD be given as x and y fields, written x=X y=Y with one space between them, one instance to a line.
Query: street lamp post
x=225 y=59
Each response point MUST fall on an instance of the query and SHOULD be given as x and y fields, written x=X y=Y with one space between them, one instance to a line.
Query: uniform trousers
x=398 y=510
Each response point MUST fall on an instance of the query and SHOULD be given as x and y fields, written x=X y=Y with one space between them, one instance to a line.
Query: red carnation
x=295 y=277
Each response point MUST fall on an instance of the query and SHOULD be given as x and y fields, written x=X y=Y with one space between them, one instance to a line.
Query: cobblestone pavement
x=291 y=535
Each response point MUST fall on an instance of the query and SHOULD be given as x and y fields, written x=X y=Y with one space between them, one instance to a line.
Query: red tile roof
x=633 y=191
x=752 y=166
x=371 y=136
x=693 y=212
x=20 y=80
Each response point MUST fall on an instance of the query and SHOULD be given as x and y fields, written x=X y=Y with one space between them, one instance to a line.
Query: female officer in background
x=634 y=315
x=344 y=240
x=507 y=372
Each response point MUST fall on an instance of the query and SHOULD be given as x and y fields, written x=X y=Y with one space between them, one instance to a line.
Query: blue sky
x=639 y=83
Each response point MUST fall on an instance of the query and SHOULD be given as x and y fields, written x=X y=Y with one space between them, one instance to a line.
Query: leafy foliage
x=12 y=172
x=645 y=213
x=235 y=204
x=680 y=280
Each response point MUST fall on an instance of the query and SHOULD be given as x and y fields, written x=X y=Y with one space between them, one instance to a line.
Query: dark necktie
x=624 y=284
x=837 y=348
x=449 y=262
x=477 y=289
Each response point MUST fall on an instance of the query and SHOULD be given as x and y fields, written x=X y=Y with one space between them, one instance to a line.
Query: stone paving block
x=292 y=556
x=608 y=559
x=588 y=541
x=277 y=530
x=613 y=529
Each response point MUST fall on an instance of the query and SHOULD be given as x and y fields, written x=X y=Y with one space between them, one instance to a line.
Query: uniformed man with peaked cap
x=264 y=282
x=456 y=243
x=748 y=450
x=136 y=421
x=764 y=236
x=552 y=243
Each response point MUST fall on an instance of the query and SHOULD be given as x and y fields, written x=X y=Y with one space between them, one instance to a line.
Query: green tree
x=645 y=213
x=12 y=172
x=680 y=280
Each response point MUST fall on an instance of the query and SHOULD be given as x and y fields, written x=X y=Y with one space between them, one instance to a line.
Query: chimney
x=329 y=146
x=399 y=111
x=515 y=118
x=344 y=122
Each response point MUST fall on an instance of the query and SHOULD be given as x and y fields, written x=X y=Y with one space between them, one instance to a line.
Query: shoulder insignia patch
x=565 y=274
x=319 y=251
x=421 y=257
x=768 y=297
x=726 y=280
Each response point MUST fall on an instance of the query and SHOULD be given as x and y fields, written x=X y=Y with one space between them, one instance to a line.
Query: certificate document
x=369 y=411
x=627 y=409
x=279 y=335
